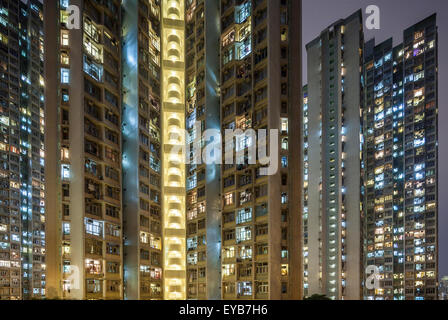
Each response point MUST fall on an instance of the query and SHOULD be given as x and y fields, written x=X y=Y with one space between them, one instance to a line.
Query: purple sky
x=397 y=15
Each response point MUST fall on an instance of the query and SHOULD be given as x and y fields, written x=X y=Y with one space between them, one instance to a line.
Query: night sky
x=396 y=16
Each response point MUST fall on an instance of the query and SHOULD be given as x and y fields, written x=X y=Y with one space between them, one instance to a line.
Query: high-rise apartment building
x=131 y=91
x=332 y=215
x=421 y=159
x=387 y=95
x=85 y=247
x=383 y=162
x=203 y=215
x=142 y=149
x=260 y=89
x=400 y=154
x=22 y=150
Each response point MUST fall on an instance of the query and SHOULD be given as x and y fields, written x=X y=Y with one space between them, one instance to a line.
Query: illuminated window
x=285 y=143
x=155 y=242
x=244 y=288
x=91 y=30
x=284 y=125
x=228 y=270
x=65 y=39
x=14 y=185
x=244 y=48
x=243 y=13
x=228 y=55
x=154 y=163
x=192 y=214
x=64 y=16
x=3 y=39
x=229 y=38
x=113 y=230
x=245 y=196
x=65 y=58
x=156 y=273
x=418 y=93
x=66 y=249
x=94 y=227
x=244 y=215
x=66 y=228
x=285 y=269
x=245 y=252
x=144 y=237
x=93 y=50
x=228 y=252
x=93 y=69
x=65 y=171
x=65 y=75
x=284 y=198
x=284 y=161
x=284 y=35
x=192 y=243
x=201 y=207
x=192 y=258
x=93 y=266
x=244 y=142
x=243 y=234
x=192 y=182
x=228 y=199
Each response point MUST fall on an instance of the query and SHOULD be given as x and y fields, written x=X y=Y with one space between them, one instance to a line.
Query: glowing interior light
x=173 y=194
